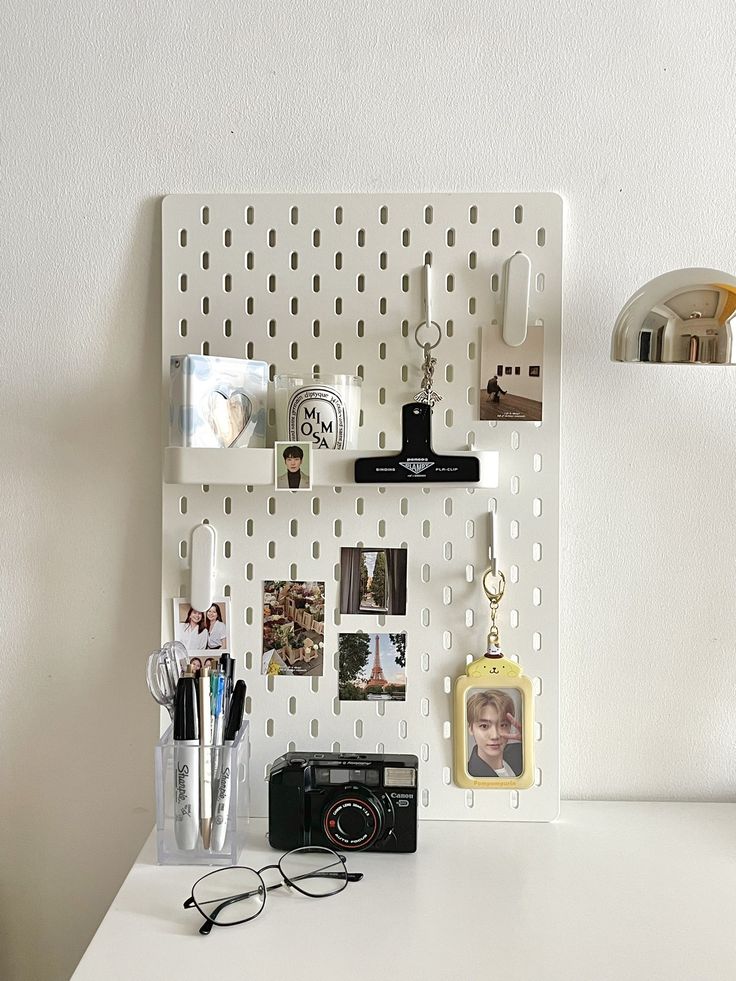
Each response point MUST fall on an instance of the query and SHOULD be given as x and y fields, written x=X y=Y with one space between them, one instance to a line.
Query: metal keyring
x=494 y=597
x=439 y=335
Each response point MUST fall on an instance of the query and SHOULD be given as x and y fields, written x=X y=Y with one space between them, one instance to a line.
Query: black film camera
x=343 y=801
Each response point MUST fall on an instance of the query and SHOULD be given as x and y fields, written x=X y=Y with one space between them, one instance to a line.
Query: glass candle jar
x=320 y=409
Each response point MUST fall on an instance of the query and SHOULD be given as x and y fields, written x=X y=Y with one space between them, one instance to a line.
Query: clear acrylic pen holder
x=236 y=757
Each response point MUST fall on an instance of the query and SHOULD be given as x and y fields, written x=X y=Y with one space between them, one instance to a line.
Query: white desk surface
x=632 y=891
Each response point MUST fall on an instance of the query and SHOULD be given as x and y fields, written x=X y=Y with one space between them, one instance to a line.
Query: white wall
x=625 y=108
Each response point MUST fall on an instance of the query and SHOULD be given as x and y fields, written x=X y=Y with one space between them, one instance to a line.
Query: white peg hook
x=516 y=299
x=427 y=293
x=492 y=541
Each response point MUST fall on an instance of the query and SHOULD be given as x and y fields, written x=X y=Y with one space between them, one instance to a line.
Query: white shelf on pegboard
x=330 y=468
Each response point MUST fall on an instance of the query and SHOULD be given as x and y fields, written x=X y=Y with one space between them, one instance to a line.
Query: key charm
x=428 y=395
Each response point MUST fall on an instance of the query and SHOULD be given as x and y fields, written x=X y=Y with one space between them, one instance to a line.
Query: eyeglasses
x=227 y=897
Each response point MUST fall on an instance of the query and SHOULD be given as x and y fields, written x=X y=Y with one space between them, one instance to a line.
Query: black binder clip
x=417 y=461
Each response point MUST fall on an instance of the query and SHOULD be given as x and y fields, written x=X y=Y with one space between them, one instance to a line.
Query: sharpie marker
x=186 y=764
x=225 y=777
x=205 y=757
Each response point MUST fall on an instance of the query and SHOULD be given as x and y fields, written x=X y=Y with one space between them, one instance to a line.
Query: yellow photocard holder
x=493 y=732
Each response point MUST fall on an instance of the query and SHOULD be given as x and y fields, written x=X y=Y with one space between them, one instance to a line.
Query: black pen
x=225 y=777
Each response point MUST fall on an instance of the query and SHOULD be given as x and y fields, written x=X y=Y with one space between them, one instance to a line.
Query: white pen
x=228 y=761
x=205 y=758
x=186 y=764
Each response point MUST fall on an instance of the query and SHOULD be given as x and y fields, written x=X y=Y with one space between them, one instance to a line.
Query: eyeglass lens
x=229 y=896
x=314 y=871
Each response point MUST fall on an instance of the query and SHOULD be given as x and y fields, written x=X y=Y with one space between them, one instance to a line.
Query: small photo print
x=201 y=631
x=372 y=667
x=373 y=580
x=511 y=392
x=293 y=466
x=293 y=627
x=494 y=732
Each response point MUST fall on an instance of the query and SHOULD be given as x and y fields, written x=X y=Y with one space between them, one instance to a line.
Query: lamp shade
x=687 y=316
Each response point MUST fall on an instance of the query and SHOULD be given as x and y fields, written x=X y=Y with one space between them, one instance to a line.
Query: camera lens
x=353 y=822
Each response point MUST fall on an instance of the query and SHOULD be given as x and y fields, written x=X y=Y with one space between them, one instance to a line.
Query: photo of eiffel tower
x=377 y=679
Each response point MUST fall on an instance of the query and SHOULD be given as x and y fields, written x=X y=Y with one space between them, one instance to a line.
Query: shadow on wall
x=79 y=774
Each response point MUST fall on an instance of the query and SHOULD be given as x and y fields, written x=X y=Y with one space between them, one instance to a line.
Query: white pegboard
x=334 y=281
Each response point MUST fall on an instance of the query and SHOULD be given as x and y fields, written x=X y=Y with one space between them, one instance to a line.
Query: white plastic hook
x=204 y=544
x=492 y=541
x=516 y=299
x=427 y=293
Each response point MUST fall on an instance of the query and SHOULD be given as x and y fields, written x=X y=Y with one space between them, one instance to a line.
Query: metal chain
x=428 y=394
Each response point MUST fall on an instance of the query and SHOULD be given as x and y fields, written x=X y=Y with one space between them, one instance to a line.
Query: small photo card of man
x=293 y=466
x=293 y=627
x=372 y=667
x=204 y=633
x=511 y=392
x=373 y=580
x=494 y=720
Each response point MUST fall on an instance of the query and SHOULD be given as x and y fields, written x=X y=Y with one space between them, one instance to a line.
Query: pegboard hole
x=425 y=572
x=205 y=215
x=269 y=727
x=426 y=528
x=469 y=618
x=249 y=261
x=515 y=485
x=425 y=798
x=336 y=705
x=249 y=527
x=514 y=619
x=338 y=306
x=183 y=326
x=514 y=529
x=271 y=505
x=471 y=351
x=406 y=238
x=541 y=237
x=248 y=666
x=338 y=260
x=495 y=237
x=514 y=573
x=338 y=215
x=537 y=507
x=446 y=730
x=183 y=237
x=293 y=574
x=537 y=462
x=450 y=283
x=360 y=283
x=249 y=615
x=425 y=617
x=315 y=550
x=360 y=328
x=227 y=238
x=380 y=709
x=250 y=215
x=447 y=595
x=271 y=238
x=358 y=728
x=469 y=529
x=537 y=596
x=271 y=550
x=381 y=528
x=446 y=776
x=518 y=214
x=495 y=282
x=447 y=640
x=227 y=549
x=293 y=528
x=537 y=641
x=403 y=729
x=337 y=528
x=227 y=328
x=537 y=777
x=449 y=418
x=249 y=572
x=447 y=684
x=514 y=799
x=383 y=215
x=469 y=799
x=538 y=732
x=540 y=283
x=428 y=215
x=314 y=728
x=448 y=551
x=537 y=551
x=316 y=238
x=183 y=504
x=469 y=573
x=405 y=283
x=315 y=283
x=183 y=282
x=424 y=752
x=205 y=260
x=424 y=707
x=294 y=215
x=183 y=549
x=473 y=214
x=383 y=261
x=294 y=305
x=537 y=686
x=471 y=306
x=335 y=748
x=294 y=351
x=338 y=351
x=425 y=661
